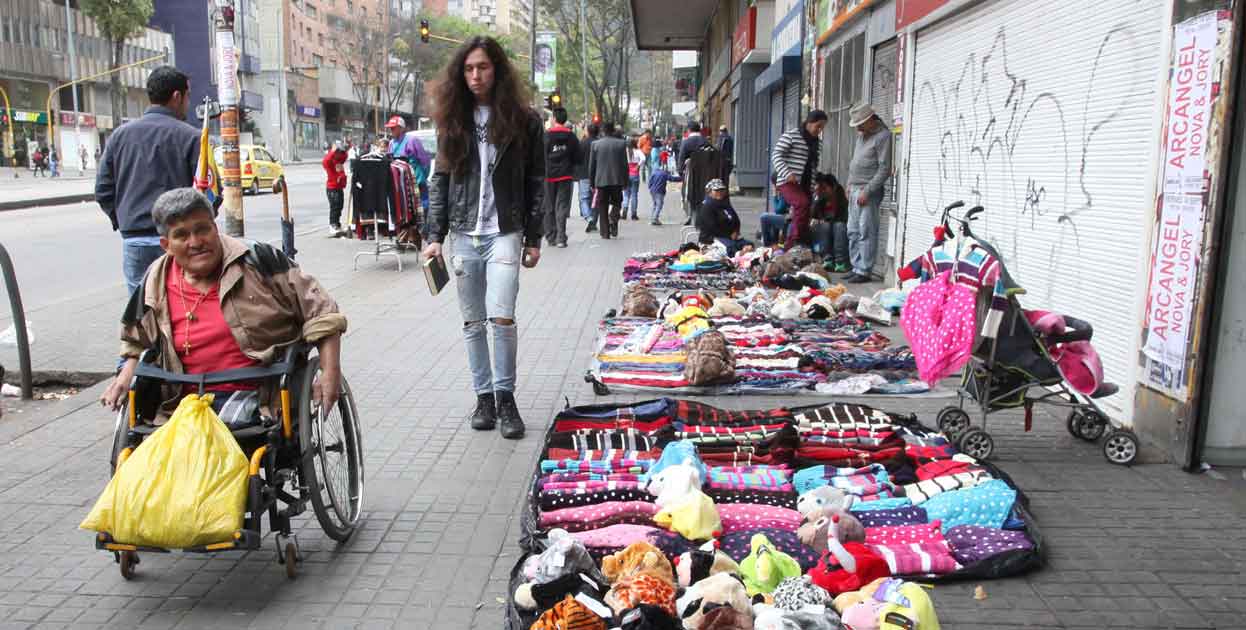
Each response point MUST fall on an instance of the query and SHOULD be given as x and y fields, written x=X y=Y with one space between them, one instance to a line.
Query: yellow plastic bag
x=184 y=486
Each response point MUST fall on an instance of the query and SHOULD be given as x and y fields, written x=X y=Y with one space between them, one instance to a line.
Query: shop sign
x=909 y=11
x=1179 y=240
x=38 y=118
x=309 y=111
x=745 y=39
x=1189 y=104
x=83 y=120
x=786 y=33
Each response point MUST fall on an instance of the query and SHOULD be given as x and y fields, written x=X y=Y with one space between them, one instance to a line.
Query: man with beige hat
x=867 y=175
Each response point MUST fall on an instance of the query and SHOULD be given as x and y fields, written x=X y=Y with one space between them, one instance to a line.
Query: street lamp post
x=228 y=96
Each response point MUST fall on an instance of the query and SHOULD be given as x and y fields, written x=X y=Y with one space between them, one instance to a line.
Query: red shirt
x=212 y=345
x=334 y=172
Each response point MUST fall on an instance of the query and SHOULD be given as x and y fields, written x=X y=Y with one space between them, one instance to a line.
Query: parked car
x=259 y=168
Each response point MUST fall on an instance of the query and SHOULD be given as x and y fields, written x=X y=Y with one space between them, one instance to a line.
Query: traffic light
x=554 y=100
x=424 y=31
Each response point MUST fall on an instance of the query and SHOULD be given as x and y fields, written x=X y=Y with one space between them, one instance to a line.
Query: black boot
x=484 y=417
x=508 y=416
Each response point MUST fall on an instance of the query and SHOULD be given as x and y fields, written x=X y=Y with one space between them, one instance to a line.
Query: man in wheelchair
x=213 y=302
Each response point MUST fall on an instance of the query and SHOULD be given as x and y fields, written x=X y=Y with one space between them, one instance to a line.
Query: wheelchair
x=306 y=455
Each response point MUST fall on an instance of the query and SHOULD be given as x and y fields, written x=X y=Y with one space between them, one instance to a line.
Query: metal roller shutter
x=882 y=97
x=776 y=130
x=791 y=101
x=1045 y=112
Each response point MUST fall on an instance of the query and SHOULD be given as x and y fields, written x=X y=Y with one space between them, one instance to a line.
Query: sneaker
x=859 y=279
x=841 y=267
x=590 y=228
x=655 y=222
x=484 y=417
x=851 y=277
x=508 y=416
x=561 y=244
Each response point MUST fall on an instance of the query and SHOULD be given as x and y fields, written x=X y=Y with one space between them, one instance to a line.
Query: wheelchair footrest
x=244 y=539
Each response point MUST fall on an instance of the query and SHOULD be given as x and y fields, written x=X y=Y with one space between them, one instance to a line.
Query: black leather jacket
x=518 y=190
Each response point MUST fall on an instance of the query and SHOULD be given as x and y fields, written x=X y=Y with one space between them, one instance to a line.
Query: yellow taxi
x=259 y=168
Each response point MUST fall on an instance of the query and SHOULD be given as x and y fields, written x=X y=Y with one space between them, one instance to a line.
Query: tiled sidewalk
x=1142 y=547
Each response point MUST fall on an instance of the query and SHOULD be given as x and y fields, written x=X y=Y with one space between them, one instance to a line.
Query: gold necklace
x=190 y=311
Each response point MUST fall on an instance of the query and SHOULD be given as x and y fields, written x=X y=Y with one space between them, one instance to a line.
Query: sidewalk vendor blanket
x=841 y=355
x=626 y=498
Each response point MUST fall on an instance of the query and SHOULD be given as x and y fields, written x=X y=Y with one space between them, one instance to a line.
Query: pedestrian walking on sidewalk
x=631 y=194
x=82 y=159
x=486 y=195
x=726 y=144
x=794 y=160
x=562 y=153
x=37 y=160
x=54 y=162
x=867 y=174
x=581 y=172
x=607 y=169
x=143 y=159
x=657 y=190
x=645 y=144
x=334 y=164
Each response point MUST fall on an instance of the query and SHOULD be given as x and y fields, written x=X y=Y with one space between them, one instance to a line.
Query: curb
x=46 y=201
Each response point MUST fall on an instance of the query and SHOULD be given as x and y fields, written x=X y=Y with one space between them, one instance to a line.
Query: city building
x=34 y=62
x=192 y=24
x=503 y=16
x=1097 y=136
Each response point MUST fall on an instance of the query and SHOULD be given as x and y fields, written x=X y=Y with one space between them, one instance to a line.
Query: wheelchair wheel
x=119 y=442
x=332 y=461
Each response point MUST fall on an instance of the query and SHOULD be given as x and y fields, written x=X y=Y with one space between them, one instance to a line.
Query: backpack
x=710 y=359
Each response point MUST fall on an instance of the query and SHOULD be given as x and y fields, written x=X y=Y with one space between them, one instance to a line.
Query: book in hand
x=435 y=273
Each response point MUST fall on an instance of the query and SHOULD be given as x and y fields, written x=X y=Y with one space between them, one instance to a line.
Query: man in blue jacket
x=143 y=159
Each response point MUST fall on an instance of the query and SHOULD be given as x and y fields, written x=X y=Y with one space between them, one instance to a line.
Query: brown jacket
x=268 y=302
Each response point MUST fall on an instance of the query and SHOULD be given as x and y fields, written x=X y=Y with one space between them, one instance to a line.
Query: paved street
x=1142 y=547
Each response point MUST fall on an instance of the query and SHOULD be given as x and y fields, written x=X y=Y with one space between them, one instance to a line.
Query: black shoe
x=655 y=222
x=850 y=277
x=561 y=244
x=508 y=416
x=484 y=417
x=859 y=279
x=590 y=228
x=688 y=222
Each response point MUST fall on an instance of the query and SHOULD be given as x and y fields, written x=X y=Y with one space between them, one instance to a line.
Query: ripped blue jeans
x=486 y=270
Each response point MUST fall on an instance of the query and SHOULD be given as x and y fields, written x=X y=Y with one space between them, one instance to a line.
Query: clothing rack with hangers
x=384 y=199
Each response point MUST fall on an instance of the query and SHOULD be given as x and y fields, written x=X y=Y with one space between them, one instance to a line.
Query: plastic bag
x=184 y=486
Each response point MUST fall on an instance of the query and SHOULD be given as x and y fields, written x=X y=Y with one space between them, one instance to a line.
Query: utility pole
x=588 y=107
x=532 y=52
x=73 y=76
x=282 y=114
x=227 y=94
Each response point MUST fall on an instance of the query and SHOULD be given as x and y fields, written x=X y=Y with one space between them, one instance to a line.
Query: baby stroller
x=1018 y=368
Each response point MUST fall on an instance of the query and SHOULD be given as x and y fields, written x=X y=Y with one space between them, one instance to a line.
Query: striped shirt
x=791 y=155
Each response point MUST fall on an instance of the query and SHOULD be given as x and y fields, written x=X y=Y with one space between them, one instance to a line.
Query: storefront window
x=308 y=135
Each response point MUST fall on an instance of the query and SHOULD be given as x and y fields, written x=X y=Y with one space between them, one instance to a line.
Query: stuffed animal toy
x=694 y=517
x=765 y=566
x=726 y=307
x=727 y=618
x=641 y=588
x=846 y=566
x=696 y=565
x=689 y=321
x=716 y=591
x=845 y=600
x=768 y=617
x=824 y=498
x=638 y=557
x=563 y=556
x=888 y=604
x=532 y=596
x=812 y=531
x=569 y=613
x=797 y=593
x=679 y=452
x=674 y=484
x=646 y=617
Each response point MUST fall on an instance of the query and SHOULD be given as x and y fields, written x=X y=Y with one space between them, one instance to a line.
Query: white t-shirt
x=487 y=217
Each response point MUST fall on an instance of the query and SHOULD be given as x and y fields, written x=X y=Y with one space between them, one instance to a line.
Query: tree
x=118 y=20
x=607 y=32
x=364 y=55
x=423 y=62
